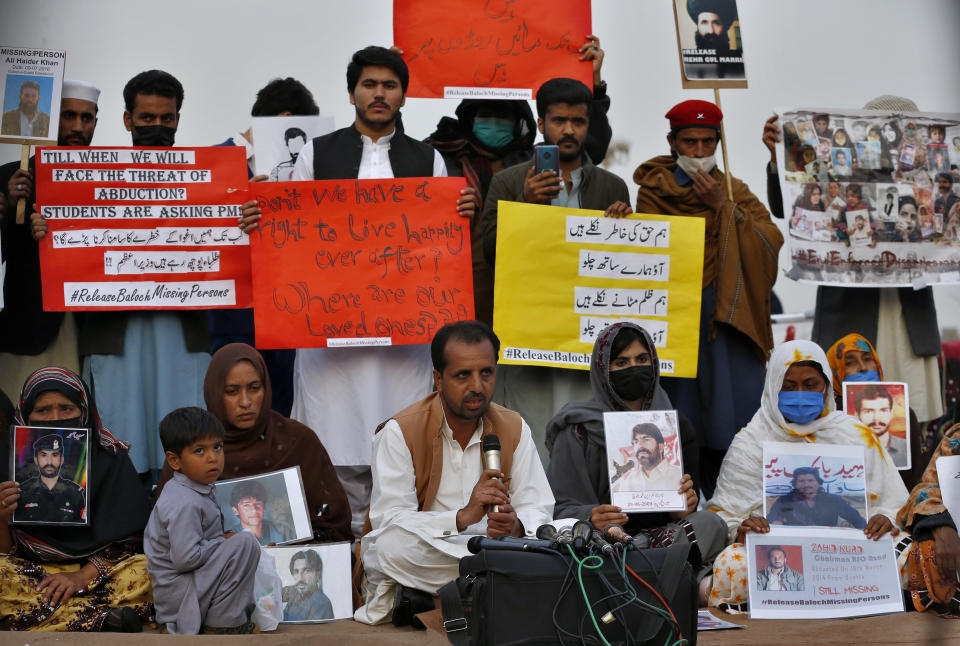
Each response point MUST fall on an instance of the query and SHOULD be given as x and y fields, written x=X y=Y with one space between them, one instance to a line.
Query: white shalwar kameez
x=422 y=549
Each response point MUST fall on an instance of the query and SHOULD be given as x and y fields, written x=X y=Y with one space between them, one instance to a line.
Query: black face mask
x=632 y=383
x=153 y=135
x=73 y=422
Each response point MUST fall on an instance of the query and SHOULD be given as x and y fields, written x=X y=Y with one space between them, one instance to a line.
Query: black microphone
x=491 y=455
x=614 y=533
x=477 y=543
x=582 y=532
x=565 y=537
x=548 y=532
x=598 y=542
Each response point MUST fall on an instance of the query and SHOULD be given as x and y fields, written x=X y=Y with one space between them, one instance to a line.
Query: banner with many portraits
x=871 y=197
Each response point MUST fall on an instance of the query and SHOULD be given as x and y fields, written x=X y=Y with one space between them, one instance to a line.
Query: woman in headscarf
x=259 y=439
x=853 y=358
x=797 y=406
x=624 y=375
x=83 y=578
x=933 y=559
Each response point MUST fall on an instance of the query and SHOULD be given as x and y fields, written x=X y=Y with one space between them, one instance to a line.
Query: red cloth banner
x=495 y=49
x=343 y=263
x=143 y=228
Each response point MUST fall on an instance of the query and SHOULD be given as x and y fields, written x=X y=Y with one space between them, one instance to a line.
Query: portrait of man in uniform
x=48 y=496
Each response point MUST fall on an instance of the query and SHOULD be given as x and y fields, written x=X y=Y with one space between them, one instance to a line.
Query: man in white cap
x=29 y=337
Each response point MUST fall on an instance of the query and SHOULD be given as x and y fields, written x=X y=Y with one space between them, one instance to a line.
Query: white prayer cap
x=80 y=90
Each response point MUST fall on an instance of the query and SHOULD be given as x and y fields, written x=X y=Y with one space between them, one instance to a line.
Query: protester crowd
x=389 y=439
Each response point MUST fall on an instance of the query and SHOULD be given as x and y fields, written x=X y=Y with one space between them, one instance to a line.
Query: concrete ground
x=907 y=629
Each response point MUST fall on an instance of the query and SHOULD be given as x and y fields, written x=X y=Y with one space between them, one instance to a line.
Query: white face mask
x=690 y=165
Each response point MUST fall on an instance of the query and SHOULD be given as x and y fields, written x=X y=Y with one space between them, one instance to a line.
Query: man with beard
x=48 y=497
x=739 y=269
x=651 y=472
x=563 y=117
x=431 y=491
x=26 y=120
x=294 y=139
x=124 y=351
x=809 y=504
x=374 y=146
x=778 y=575
x=714 y=20
x=29 y=337
x=874 y=407
x=946 y=198
x=305 y=600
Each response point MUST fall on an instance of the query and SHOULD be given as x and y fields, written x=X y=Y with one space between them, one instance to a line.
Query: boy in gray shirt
x=202 y=577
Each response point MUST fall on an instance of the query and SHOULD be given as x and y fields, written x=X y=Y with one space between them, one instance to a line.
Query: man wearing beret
x=739 y=269
x=48 y=497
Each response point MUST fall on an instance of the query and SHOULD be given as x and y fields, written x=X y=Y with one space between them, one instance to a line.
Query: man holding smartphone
x=563 y=117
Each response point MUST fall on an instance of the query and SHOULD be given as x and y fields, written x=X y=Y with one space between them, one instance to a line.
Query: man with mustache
x=29 y=337
x=374 y=146
x=651 y=472
x=48 y=497
x=26 y=120
x=563 y=117
x=305 y=600
x=808 y=504
x=874 y=407
x=714 y=20
x=431 y=490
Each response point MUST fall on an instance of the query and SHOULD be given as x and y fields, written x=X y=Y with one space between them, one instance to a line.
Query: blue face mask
x=800 y=406
x=866 y=375
x=492 y=132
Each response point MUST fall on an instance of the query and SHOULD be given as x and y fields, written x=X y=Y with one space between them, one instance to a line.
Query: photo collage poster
x=871 y=198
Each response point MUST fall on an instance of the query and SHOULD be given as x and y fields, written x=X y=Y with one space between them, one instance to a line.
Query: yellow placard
x=563 y=275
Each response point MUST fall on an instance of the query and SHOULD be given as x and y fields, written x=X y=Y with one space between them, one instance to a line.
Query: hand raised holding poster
x=359 y=262
x=502 y=49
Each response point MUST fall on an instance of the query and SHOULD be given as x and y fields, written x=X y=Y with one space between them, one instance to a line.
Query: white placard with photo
x=644 y=460
x=316 y=582
x=797 y=574
x=277 y=142
x=272 y=506
x=814 y=485
x=31 y=79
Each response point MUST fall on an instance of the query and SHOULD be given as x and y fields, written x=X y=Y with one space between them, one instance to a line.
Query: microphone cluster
x=582 y=538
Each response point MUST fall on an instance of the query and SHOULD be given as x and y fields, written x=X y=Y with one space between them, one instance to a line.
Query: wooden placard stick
x=24 y=165
x=723 y=144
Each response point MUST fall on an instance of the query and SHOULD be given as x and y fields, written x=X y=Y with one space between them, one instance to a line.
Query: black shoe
x=122 y=620
x=408 y=603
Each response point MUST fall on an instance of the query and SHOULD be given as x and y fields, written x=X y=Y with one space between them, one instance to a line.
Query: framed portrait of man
x=316 y=582
x=814 y=486
x=644 y=460
x=272 y=506
x=710 y=43
x=52 y=466
x=884 y=408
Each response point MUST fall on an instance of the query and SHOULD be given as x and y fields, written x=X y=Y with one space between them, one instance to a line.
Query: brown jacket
x=11 y=124
x=740 y=250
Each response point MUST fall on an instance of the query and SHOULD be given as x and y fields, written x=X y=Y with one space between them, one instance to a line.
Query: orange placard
x=497 y=49
x=143 y=228
x=344 y=263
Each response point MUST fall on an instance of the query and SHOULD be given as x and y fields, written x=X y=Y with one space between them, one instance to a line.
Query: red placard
x=343 y=263
x=496 y=49
x=143 y=228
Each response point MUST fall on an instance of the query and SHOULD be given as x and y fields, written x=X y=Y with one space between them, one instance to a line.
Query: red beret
x=694 y=114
